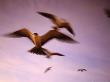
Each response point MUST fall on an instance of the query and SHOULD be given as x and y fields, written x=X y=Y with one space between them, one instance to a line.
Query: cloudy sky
x=92 y=28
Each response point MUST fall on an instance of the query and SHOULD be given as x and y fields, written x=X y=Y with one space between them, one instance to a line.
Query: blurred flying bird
x=82 y=70
x=47 y=69
x=38 y=41
x=59 y=22
x=107 y=12
x=41 y=40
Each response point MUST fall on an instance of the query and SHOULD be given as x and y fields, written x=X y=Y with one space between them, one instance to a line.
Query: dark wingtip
x=74 y=41
x=107 y=12
x=5 y=35
x=73 y=34
x=10 y=35
x=40 y=12
x=61 y=55
x=58 y=54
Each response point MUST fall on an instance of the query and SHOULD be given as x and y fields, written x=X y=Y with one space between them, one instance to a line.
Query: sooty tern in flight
x=38 y=41
x=59 y=22
x=47 y=69
x=82 y=70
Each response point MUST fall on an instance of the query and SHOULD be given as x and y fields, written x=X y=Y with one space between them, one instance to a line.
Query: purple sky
x=92 y=28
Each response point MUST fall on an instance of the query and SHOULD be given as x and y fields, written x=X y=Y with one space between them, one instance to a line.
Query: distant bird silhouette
x=44 y=51
x=47 y=69
x=59 y=22
x=82 y=70
x=107 y=12
x=38 y=41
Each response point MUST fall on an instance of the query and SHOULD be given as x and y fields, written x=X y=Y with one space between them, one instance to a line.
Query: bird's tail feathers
x=33 y=50
x=38 y=51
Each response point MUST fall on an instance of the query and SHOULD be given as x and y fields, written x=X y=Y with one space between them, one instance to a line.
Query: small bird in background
x=39 y=41
x=107 y=12
x=47 y=69
x=58 y=22
x=81 y=70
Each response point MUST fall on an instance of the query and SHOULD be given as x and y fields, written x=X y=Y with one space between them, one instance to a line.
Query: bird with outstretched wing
x=39 y=41
x=58 y=22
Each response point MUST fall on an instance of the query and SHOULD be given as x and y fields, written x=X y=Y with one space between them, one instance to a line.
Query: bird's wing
x=21 y=33
x=58 y=35
x=85 y=70
x=78 y=70
x=57 y=54
x=55 y=20
x=47 y=69
x=48 y=15
x=69 y=28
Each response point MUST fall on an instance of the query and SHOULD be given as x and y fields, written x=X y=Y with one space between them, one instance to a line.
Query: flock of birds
x=79 y=70
x=40 y=40
x=106 y=11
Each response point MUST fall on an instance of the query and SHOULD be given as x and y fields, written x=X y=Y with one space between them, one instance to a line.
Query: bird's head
x=55 y=27
x=35 y=33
